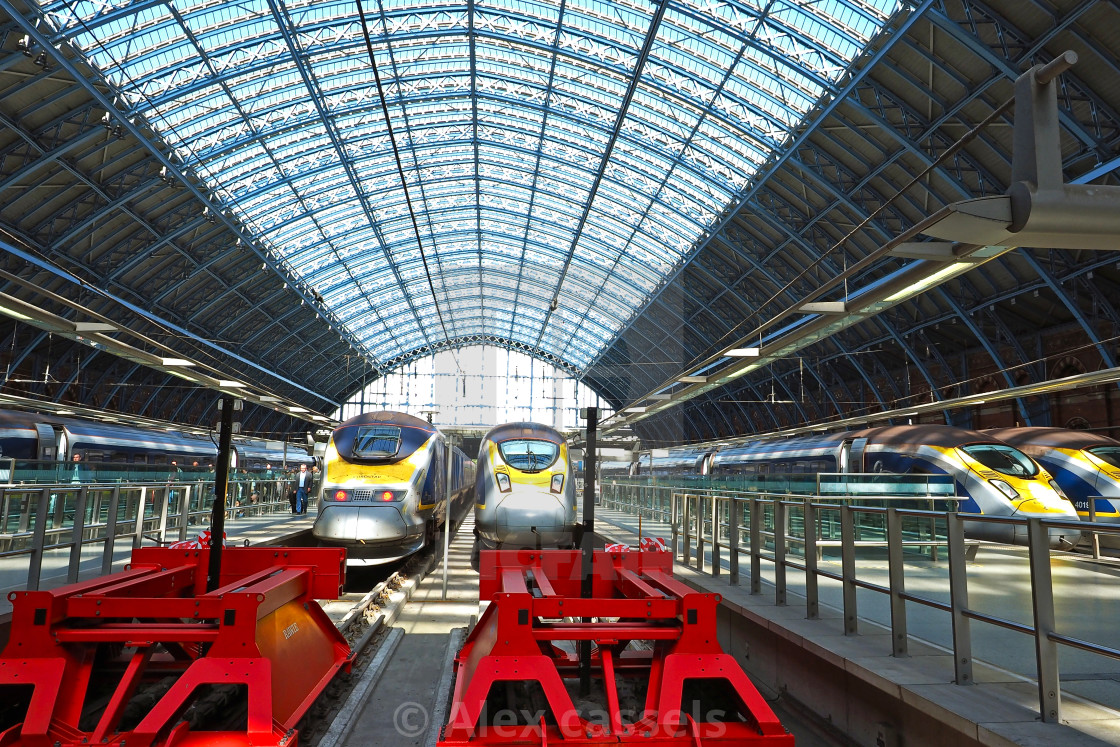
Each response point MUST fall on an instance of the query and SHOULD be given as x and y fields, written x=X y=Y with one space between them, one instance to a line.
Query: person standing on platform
x=303 y=488
x=290 y=486
x=79 y=469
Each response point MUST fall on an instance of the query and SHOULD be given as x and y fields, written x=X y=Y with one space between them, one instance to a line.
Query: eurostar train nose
x=351 y=523
x=517 y=516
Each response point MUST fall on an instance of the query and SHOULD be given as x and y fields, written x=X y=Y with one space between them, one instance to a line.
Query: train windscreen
x=529 y=455
x=1110 y=454
x=1007 y=460
x=377 y=441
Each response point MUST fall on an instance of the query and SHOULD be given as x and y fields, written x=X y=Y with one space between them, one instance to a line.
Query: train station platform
x=855 y=683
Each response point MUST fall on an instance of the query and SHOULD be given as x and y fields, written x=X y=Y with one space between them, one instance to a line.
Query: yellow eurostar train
x=525 y=495
x=384 y=489
x=1085 y=465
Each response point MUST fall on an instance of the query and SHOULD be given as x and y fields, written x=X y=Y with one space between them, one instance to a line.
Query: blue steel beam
x=354 y=49
x=913 y=150
x=283 y=23
x=974 y=44
x=679 y=163
x=148 y=316
x=47 y=158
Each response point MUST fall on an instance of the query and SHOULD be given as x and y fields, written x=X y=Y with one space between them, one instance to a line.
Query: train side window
x=1109 y=454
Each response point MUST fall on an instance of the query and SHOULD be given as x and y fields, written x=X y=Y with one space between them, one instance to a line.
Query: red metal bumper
x=525 y=635
x=154 y=641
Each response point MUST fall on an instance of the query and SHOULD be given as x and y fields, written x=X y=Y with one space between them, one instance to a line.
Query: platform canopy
x=559 y=159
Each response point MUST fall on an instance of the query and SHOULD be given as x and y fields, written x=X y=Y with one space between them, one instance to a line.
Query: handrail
x=699 y=517
x=36 y=519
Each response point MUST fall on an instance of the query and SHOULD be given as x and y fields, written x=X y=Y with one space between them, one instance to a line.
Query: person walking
x=303 y=488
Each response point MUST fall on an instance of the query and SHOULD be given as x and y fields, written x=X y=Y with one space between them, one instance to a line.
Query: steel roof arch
x=170 y=63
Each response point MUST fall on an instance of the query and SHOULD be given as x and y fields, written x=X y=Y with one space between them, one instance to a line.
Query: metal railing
x=772 y=524
x=852 y=484
x=54 y=472
x=36 y=519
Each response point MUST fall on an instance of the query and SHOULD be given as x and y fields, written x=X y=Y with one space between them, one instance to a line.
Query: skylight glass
x=503 y=118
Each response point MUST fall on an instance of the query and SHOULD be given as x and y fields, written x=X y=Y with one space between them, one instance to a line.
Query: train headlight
x=557 y=483
x=503 y=482
x=342 y=495
x=1006 y=489
x=388 y=495
x=1058 y=490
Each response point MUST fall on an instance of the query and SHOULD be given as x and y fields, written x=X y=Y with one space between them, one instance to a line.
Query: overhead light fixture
x=743 y=352
x=63 y=412
x=693 y=379
x=184 y=375
x=928 y=282
x=741 y=372
x=176 y=362
x=823 y=307
x=94 y=327
x=635 y=409
x=268 y=398
x=298 y=409
x=14 y=314
x=224 y=383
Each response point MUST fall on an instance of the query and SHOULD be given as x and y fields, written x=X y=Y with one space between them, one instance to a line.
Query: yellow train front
x=384 y=492
x=525 y=496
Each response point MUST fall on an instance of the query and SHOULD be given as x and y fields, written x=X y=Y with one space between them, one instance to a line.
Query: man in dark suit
x=303 y=488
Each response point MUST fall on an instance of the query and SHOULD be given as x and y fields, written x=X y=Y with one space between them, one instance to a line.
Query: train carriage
x=36 y=436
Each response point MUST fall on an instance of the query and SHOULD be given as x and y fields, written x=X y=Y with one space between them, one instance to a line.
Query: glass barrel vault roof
x=567 y=149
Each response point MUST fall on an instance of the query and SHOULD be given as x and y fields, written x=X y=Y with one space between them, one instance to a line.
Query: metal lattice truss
x=562 y=158
x=1025 y=317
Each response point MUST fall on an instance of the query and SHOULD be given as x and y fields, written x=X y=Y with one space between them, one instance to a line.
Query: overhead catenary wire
x=400 y=172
